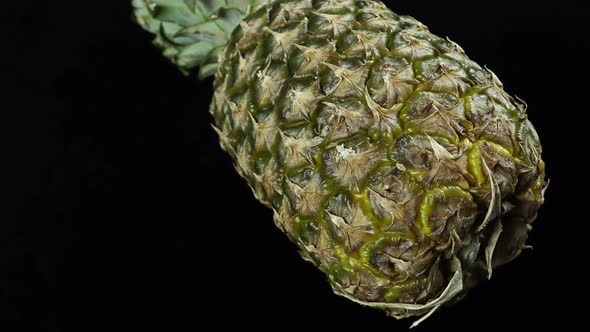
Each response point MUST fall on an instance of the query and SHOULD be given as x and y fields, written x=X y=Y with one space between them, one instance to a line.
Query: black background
x=130 y=217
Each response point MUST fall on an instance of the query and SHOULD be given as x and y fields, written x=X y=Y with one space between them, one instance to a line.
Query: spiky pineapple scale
x=399 y=166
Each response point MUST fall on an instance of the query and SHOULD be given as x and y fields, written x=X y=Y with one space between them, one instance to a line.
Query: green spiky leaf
x=191 y=32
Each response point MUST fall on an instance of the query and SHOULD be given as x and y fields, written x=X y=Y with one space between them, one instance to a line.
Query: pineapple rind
x=373 y=129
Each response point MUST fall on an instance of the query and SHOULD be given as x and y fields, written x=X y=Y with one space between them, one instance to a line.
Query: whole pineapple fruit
x=398 y=166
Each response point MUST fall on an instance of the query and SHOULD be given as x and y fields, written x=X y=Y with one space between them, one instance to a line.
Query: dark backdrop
x=130 y=217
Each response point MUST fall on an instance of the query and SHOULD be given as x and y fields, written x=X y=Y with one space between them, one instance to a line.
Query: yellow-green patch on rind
x=429 y=201
x=395 y=291
x=339 y=272
x=367 y=250
x=365 y=204
x=474 y=159
x=474 y=163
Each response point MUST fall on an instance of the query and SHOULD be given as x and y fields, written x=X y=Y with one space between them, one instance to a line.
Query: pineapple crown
x=192 y=32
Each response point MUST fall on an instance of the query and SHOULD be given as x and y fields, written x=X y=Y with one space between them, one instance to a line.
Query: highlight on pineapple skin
x=398 y=166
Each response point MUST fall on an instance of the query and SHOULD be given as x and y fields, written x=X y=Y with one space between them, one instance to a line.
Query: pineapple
x=397 y=165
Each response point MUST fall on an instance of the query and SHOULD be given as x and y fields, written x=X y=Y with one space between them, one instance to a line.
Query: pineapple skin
x=398 y=166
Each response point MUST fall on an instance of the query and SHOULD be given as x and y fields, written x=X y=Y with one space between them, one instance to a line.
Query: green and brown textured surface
x=398 y=166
